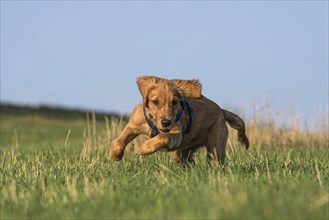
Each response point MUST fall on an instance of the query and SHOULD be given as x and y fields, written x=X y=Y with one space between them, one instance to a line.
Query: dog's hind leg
x=216 y=141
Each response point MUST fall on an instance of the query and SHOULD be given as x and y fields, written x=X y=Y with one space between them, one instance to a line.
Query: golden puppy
x=175 y=116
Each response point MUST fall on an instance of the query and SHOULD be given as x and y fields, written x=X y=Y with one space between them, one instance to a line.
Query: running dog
x=176 y=117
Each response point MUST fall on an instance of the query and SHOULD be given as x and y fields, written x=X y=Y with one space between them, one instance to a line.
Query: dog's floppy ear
x=144 y=84
x=189 y=88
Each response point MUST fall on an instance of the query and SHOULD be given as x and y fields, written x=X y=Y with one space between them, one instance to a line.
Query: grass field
x=53 y=168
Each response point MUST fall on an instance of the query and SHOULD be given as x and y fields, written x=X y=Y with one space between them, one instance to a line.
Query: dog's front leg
x=163 y=141
x=119 y=145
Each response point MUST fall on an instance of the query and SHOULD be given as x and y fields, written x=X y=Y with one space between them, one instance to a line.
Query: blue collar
x=184 y=103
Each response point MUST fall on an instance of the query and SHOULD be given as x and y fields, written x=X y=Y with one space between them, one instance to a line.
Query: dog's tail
x=237 y=123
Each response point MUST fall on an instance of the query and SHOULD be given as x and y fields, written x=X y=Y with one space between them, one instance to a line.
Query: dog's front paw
x=145 y=149
x=116 y=153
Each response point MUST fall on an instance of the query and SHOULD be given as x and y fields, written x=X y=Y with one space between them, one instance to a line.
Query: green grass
x=59 y=169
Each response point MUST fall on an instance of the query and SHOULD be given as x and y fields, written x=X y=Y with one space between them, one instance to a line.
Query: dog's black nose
x=166 y=123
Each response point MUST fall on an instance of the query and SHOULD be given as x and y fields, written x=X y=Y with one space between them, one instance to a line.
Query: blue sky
x=87 y=54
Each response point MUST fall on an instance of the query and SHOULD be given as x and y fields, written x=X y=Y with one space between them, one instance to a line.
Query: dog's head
x=161 y=98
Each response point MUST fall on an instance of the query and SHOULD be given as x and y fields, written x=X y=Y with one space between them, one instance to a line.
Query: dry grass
x=278 y=129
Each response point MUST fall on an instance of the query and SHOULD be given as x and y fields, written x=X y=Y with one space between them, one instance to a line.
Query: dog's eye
x=174 y=102
x=155 y=102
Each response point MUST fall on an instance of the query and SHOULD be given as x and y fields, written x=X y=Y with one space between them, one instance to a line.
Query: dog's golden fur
x=161 y=100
